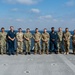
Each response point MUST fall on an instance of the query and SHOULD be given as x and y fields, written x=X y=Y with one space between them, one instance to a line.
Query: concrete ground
x=52 y=64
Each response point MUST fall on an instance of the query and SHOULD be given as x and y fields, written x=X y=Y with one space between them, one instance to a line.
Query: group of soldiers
x=43 y=43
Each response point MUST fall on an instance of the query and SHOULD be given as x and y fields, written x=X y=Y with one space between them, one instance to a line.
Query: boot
x=39 y=52
x=16 y=53
x=35 y=52
x=43 y=52
x=47 y=52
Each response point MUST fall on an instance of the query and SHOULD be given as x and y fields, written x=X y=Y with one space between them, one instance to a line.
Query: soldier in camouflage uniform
x=3 y=41
x=73 y=42
x=27 y=37
x=37 y=38
x=60 y=40
x=19 y=37
x=45 y=41
x=66 y=38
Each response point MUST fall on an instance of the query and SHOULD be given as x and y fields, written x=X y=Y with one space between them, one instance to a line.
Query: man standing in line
x=60 y=40
x=11 y=40
x=45 y=41
x=19 y=37
x=73 y=42
x=3 y=35
x=37 y=38
x=66 y=38
x=27 y=37
x=53 y=41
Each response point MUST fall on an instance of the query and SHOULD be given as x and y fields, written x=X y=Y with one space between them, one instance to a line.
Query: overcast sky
x=37 y=13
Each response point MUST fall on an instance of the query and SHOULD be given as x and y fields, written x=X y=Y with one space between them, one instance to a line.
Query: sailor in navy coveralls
x=53 y=41
x=11 y=40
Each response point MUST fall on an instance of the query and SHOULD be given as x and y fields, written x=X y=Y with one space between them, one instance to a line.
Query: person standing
x=19 y=37
x=11 y=40
x=66 y=38
x=73 y=42
x=53 y=41
x=27 y=37
x=45 y=41
x=3 y=35
x=60 y=40
x=37 y=38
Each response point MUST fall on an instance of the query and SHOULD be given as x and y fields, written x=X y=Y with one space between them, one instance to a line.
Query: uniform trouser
x=28 y=46
x=3 y=46
x=73 y=45
x=37 y=47
x=19 y=47
x=11 y=47
x=45 y=46
x=59 y=46
x=53 y=44
x=67 y=46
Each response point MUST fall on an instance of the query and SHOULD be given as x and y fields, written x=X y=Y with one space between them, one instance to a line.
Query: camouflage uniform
x=60 y=41
x=37 y=38
x=19 y=37
x=3 y=42
x=67 y=41
x=45 y=42
x=73 y=43
x=27 y=42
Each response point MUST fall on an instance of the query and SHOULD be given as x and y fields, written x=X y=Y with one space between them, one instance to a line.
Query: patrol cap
x=52 y=28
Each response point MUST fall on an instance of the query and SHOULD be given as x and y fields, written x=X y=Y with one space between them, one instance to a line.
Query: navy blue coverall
x=11 y=47
x=53 y=41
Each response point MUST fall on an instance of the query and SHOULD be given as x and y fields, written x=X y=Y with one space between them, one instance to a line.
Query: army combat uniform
x=66 y=38
x=60 y=41
x=45 y=42
x=19 y=37
x=73 y=43
x=3 y=42
x=28 y=42
x=37 y=38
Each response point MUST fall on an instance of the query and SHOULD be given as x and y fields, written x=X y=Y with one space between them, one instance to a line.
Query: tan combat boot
x=47 y=52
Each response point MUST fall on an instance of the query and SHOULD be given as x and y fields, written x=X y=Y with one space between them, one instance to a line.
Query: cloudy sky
x=37 y=13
